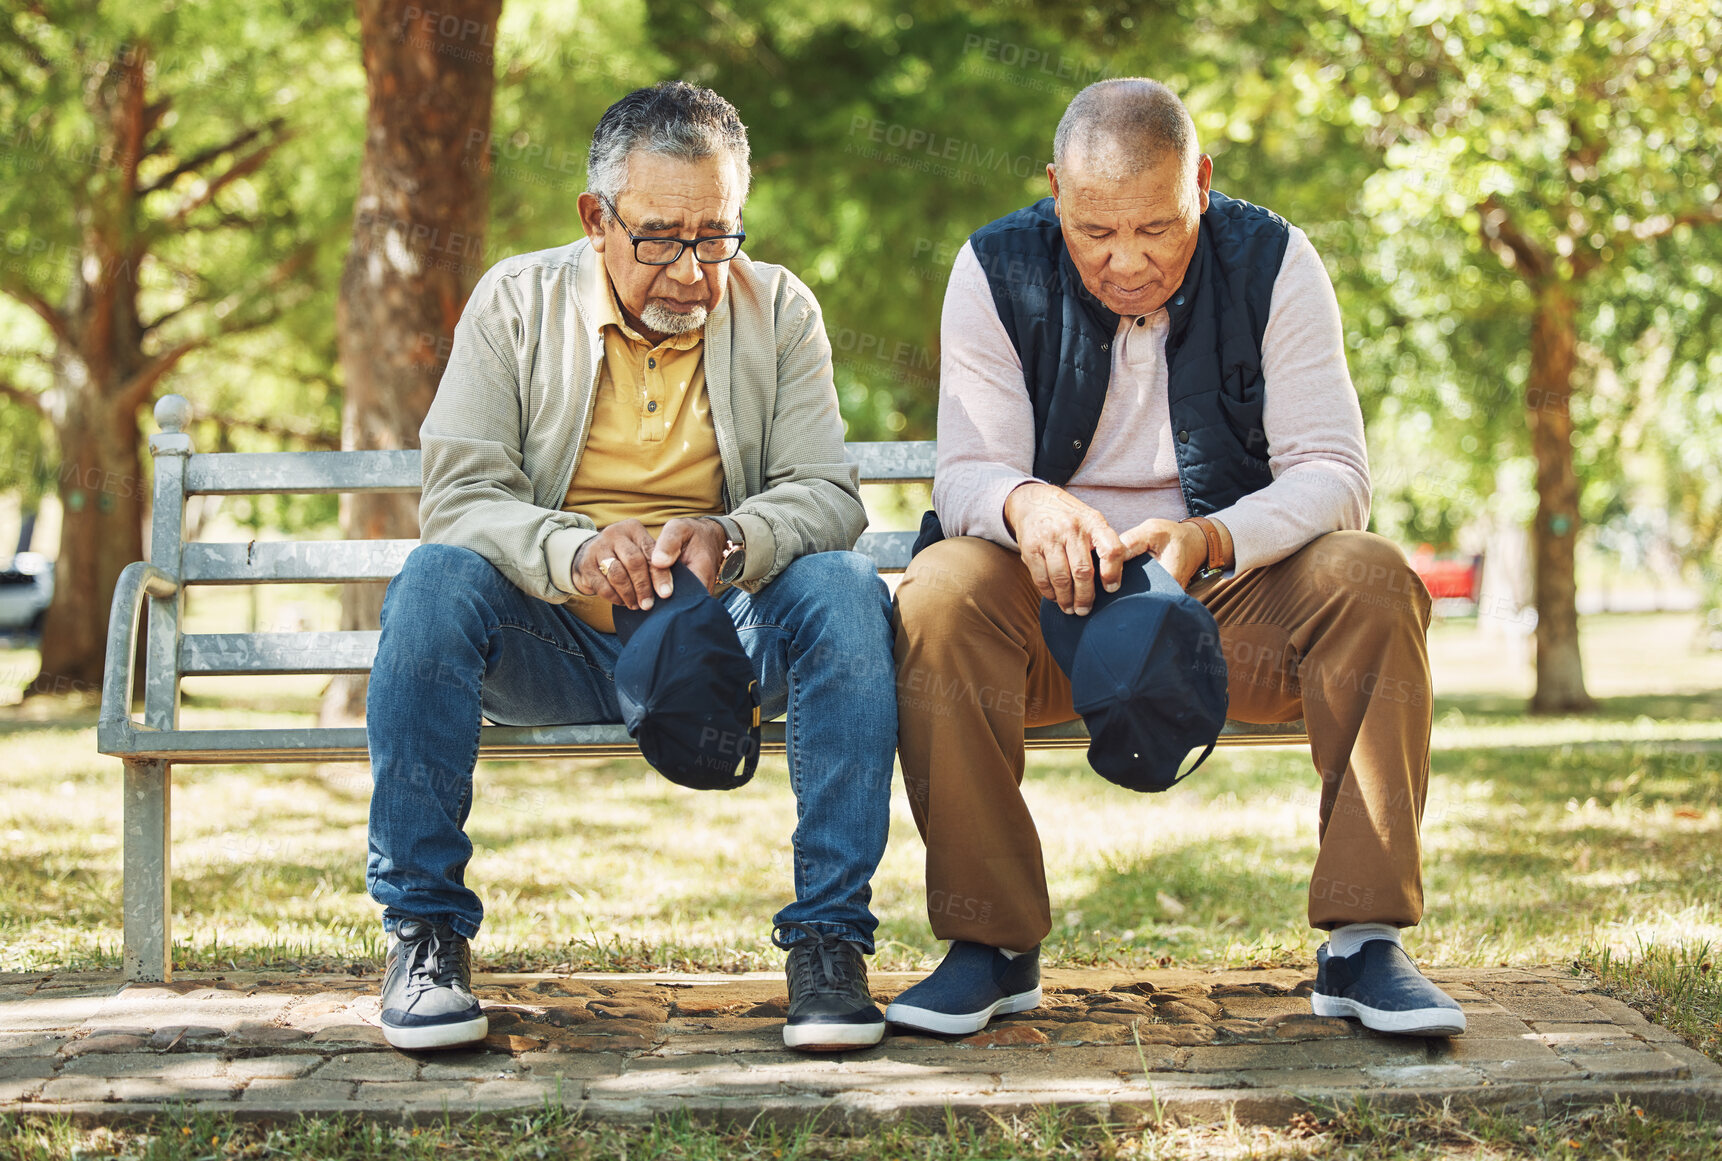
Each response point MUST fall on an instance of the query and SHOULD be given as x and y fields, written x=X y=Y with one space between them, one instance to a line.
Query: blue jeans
x=460 y=640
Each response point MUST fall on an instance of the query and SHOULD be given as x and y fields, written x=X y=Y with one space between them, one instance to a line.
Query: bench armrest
x=139 y=580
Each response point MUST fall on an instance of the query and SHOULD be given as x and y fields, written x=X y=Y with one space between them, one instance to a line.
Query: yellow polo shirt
x=651 y=454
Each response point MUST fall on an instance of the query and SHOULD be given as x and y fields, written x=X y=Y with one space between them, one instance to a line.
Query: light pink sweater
x=1316 y=449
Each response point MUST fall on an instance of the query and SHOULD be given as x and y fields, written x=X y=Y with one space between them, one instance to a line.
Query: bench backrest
x=182 y=473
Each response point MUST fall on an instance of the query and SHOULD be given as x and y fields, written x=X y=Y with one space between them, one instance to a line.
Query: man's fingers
x=1037 y=573
x=1135 y=542
x=630 y=576
x=670 y=547
x=1058 y=578
x=1113 y=553
x=1080 y=561
x=690 y=542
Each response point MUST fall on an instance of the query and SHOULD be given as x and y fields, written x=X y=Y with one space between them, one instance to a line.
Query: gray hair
x=1121 y=126
x=672 y=118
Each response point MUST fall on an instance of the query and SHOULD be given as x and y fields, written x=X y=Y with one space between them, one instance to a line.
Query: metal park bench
x=150 y=748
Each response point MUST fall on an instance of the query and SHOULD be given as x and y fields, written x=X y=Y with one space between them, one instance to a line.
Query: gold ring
x=604 y=566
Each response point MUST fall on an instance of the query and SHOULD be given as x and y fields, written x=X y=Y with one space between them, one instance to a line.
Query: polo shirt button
x=1179 y=301
x=652 y=363
x=1183 y=437
x=1141 y=319
x=652 y=406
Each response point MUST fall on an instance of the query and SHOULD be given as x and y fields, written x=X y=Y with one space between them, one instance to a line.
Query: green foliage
x=1390 y=130
x=235 y=226
x=1516 y=145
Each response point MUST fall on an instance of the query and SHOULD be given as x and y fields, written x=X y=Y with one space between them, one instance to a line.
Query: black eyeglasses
x=668 y=251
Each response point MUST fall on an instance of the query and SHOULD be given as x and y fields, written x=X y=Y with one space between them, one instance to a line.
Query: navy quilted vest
x=1213 y=351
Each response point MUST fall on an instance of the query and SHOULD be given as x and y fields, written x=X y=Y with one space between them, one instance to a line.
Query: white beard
x=665 y=321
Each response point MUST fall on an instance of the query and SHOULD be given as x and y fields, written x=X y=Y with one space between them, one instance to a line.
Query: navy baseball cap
x=1146 y=674
x=687 y=688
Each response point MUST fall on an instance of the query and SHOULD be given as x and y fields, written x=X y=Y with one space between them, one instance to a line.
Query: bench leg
x=148 y=878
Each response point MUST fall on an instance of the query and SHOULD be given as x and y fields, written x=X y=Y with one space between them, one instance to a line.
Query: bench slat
x=521 y=742
x=889 y=551
x=316 y=473
x=293 y=562
x=330 y=561
x=905 y=461
x=346 y=744
x=313 y=473
x=211 y=654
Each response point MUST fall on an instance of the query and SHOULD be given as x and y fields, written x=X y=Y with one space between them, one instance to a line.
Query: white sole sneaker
x=832 y=1037
x=438 y=1035
x=1412 y=1022
x=959 y=1023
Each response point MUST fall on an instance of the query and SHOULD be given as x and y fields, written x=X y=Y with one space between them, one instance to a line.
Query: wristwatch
x=734 y=560
x=1216 y=552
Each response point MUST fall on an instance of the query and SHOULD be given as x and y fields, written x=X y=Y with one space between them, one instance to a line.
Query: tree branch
x=135 y=390
x=155 y=323
x=1516 y=251
x=243 y=167
x=315 y=440
x=1662 y=225
x=10 y=390
x=198 y=161
x=43 y=308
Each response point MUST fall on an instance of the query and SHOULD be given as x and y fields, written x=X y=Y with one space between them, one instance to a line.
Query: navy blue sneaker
x=427 y=989
x=973 y=984
x=1380 y=986
x=830 y=1007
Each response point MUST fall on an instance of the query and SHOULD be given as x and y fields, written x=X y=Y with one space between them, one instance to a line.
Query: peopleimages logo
x=1021 y=58
x=964 y=155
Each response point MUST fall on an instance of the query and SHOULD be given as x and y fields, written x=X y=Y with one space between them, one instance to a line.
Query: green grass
x=1621 y=1132
x=1534 y=854
x=1679 y=986
x=1546 y=841
x=1592 y=842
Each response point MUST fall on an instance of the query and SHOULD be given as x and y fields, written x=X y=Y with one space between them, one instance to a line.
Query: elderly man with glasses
x=643 y=399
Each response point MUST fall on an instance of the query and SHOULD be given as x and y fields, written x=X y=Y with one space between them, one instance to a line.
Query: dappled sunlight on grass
x=1531 y=853
x=1543 y=837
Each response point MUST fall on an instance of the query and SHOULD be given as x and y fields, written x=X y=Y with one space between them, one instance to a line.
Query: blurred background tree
x=154 y=205
x=1514 y=201
x=418 y=245
x=1531 y=155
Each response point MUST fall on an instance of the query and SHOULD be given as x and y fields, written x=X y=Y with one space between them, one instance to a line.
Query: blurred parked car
x=26 y=587
x=1452 y=578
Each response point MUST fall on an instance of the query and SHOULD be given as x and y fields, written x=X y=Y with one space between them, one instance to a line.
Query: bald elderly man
x=1139 y=364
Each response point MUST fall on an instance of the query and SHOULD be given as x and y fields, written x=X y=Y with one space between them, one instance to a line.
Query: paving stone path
x=1120 y=1046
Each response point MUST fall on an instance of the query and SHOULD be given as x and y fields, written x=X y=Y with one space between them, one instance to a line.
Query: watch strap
x=734 y=560
x=1216 y=551
x=731 y=529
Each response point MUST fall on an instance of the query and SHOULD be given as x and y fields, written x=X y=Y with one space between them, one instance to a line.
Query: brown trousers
x=1334 y=633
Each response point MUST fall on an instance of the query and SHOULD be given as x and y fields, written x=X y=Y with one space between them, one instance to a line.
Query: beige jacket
x=510 y=418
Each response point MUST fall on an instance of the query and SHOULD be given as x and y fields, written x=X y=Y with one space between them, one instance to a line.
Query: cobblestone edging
x=1120 y=1046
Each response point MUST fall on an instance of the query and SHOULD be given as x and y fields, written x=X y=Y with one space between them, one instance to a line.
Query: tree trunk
x=418 y=247
x=101 y=491
x=97 y=396
x=1554 y=340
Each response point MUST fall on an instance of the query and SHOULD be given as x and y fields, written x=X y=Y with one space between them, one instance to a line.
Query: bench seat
x=153 y=593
